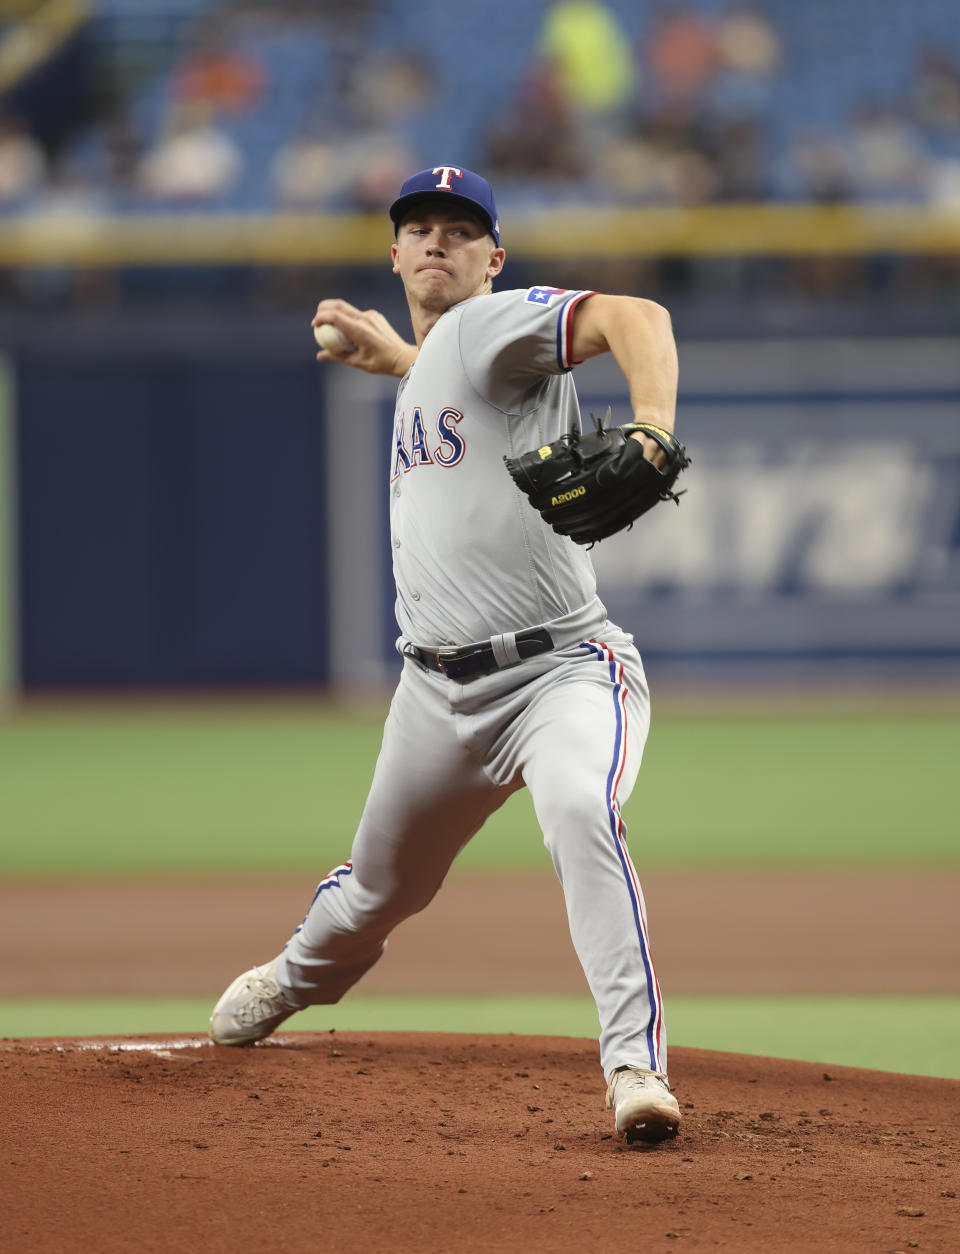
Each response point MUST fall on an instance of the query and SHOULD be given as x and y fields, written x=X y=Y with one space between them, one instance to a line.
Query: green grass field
x=277 y=786
x=918 y=1035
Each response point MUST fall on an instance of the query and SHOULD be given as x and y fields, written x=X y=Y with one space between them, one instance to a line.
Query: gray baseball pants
x=570 y=725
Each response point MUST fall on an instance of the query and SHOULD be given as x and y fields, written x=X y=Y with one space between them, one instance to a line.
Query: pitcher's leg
x=584 y=745
x=428 y=797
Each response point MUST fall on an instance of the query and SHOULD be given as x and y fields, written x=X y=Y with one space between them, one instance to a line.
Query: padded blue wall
x=172 y=521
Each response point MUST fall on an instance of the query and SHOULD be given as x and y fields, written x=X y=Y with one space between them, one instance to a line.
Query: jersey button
x=416 y=596
x=396 y=542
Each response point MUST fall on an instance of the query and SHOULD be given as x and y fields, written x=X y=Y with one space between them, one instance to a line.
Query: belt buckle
x=457 y=657
x=443 y=658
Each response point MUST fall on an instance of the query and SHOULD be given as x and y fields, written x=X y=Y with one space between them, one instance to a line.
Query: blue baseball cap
x=453 y=181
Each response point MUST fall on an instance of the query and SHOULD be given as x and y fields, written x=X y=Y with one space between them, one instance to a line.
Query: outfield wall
x=172 y=518
x=191 y=513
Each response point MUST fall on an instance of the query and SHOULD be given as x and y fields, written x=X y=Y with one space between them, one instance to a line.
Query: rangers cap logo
x=446 y=172
x=449 y=181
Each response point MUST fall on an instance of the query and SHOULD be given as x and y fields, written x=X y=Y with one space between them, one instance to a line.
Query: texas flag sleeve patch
x=543 y=295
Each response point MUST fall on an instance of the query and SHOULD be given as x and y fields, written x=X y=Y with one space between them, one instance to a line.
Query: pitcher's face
x=444 y=256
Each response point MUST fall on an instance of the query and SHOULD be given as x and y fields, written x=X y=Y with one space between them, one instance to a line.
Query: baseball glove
x=589 y=487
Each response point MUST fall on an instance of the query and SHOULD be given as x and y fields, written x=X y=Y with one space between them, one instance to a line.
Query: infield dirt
x=351 y=1142
x=804 y=931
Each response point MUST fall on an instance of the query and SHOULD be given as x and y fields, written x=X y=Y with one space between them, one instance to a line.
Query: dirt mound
x=346 y=1142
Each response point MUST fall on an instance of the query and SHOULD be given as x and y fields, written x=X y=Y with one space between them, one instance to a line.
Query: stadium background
x=194 y=583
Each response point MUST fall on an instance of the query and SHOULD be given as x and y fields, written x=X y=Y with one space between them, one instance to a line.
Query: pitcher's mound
x=398 y=1142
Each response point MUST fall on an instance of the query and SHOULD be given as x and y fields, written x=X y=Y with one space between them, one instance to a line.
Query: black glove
x=589 y=487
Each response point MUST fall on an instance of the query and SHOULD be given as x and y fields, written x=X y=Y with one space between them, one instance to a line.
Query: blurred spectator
x=193 y=161
x=223 y=77
x=307 y=172
x=380 y=166
x=388 y=89
x=122 y=153
x=936 y=96
x=23 y=163
x=588 y=51
x=682 y=54
x=943 y=183
x=747 y=42
x=629 y=170
x=822 y=167
x=323 y=172
x=534 y=134
x=688 y=177
x=738 y=155
x=886 y=157
x=750 y=52
x=685 y=170
x=666 y=162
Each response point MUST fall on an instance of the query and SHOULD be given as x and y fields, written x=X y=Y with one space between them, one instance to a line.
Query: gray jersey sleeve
x=511 y=341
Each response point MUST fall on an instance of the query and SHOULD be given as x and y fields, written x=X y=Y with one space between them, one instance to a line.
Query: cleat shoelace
x=264 y=999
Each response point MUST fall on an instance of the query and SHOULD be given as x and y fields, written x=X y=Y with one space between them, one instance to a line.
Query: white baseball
x=332 y=339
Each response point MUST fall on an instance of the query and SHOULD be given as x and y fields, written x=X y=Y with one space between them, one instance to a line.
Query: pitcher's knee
x=380 y=912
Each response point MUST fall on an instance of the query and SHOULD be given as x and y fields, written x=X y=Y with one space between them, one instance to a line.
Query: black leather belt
x=482 y=659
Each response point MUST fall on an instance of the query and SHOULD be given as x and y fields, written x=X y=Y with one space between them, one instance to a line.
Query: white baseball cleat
x=250 y=1009
x=643 y=1105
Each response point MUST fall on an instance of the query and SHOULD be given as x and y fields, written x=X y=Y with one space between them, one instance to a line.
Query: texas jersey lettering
x=412 y=447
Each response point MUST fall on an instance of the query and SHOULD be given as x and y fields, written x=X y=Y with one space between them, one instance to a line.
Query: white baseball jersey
x=474 y=560
x=471 y=557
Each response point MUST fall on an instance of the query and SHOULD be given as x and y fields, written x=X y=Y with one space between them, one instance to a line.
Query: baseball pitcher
x=512 y=674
